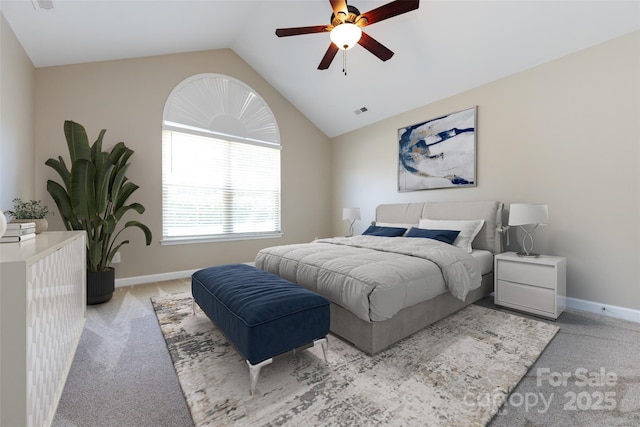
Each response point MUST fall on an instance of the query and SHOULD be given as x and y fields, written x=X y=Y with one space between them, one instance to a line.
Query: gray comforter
x=374 y=277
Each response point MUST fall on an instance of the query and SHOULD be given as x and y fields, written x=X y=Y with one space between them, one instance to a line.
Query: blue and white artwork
x=438 y=153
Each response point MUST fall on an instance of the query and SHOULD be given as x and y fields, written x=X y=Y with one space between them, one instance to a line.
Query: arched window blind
x=220 y=163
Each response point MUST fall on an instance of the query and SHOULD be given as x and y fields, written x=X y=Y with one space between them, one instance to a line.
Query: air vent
x=361 y=110
x=42 y=4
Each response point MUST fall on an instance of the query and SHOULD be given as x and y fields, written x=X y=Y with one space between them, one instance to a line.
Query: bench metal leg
x=254 y=372
x=325 y=347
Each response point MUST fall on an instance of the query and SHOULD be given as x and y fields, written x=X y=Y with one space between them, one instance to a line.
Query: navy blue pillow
x=375 y=230
x=446 y=236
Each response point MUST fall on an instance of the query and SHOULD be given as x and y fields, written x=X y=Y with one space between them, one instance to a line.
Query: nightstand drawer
x=527 y=297
x=528 y=274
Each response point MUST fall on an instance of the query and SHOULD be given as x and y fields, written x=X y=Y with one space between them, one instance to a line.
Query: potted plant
x=93 y=196
x=31 y=211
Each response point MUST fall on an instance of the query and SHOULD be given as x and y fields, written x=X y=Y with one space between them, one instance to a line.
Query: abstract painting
x=438 y=153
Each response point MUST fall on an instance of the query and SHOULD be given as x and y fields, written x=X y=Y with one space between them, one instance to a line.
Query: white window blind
x=217 y=185
x=213 y=187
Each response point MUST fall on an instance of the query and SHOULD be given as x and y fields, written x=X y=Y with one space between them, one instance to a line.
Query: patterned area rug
x=455 y=372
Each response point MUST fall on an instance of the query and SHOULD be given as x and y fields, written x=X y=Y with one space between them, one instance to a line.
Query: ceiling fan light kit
x=346 y=35
x=346 y=29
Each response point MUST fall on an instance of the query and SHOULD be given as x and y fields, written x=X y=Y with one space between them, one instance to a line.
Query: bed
x=385 y=288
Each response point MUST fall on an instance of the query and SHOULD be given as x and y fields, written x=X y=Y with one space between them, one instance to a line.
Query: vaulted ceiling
x=443 y=48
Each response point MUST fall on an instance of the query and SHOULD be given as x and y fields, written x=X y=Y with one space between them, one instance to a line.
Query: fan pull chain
x=344 y=61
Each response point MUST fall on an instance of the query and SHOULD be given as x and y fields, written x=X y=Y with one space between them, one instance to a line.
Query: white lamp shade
x=346 y=35
x=351 y=213
x=528 y=213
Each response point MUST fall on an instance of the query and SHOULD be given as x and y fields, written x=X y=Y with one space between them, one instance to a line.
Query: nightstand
x=533 y=285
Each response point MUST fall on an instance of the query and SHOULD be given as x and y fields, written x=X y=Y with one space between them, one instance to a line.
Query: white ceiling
x=443 y=48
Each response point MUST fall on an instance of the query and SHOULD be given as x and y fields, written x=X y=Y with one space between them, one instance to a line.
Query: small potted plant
x=31 y=211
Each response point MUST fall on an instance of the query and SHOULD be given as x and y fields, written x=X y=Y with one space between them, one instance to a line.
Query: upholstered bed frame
x=373 y=337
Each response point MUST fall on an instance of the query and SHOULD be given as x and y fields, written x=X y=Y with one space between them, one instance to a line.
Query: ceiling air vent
x=42 y=4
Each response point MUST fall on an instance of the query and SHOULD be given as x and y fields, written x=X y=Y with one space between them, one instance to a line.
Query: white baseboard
x=604 y=309
x=140 y=280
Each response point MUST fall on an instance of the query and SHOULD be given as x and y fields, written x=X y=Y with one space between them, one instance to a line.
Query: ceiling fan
x=346 y=28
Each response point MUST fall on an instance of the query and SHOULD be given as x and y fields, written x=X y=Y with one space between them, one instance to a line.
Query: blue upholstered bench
x=263 y=315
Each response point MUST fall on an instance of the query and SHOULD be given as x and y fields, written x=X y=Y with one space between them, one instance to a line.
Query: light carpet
x=455 y=372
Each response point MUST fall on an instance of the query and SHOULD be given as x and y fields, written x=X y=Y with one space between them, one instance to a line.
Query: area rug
x=455 y=372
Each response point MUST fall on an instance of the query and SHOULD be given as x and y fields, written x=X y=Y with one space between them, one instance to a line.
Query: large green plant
x=94 y=193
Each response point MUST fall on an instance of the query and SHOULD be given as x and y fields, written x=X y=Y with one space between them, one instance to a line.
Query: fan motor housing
x=353 y=15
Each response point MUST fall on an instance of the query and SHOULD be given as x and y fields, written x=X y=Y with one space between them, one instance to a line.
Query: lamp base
x=528 y=255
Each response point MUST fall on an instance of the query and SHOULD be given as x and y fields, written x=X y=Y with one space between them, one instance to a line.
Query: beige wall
x=127 y=98
x=564 y=133
x=17 y=106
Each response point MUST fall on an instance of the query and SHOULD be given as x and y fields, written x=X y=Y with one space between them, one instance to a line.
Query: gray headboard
x=489 y=237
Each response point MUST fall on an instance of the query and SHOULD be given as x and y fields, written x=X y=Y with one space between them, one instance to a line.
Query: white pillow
x=396 y=224
x=468 y=229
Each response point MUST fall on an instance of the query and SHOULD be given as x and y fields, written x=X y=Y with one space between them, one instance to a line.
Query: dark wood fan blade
x=375 y=47
x=339 y=6
x=328 y=57
x=297 y=31
x=389 y=10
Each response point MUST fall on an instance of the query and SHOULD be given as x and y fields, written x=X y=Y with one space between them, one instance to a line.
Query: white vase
x=3 y=224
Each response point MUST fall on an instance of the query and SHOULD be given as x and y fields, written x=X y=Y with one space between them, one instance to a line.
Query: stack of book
x=19 y=232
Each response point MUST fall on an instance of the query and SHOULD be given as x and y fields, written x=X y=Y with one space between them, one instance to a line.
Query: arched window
x=220 y=163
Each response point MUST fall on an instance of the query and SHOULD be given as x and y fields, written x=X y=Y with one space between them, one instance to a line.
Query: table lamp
x=522 y=214
x=351 y=215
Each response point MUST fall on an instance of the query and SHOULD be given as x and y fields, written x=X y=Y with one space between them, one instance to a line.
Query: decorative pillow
x=395 y=224
x=375 y=230
x=446 y=236
x=468 y=230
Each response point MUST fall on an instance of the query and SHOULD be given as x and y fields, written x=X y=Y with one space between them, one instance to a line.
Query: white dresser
x=534 y=285
x=42 y=314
